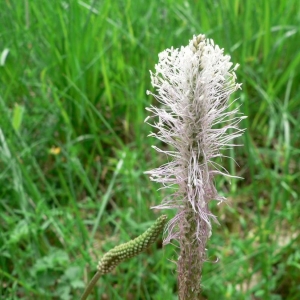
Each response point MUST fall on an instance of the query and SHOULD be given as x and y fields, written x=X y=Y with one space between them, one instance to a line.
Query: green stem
x=90 y=286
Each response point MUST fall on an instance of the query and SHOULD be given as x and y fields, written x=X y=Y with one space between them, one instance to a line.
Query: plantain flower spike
x=132 y=248
x=193 y=85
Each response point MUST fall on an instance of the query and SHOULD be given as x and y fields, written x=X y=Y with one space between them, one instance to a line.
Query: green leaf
x=17 y=117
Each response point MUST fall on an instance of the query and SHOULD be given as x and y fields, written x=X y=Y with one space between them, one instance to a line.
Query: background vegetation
x=73 y=77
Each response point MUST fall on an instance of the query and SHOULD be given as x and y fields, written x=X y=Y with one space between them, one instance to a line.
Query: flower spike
x=193 y=85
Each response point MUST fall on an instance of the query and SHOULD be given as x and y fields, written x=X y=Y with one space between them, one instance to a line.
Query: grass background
x=73 y=147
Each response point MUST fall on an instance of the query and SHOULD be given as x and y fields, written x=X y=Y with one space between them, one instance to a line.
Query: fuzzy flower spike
x=193 y=84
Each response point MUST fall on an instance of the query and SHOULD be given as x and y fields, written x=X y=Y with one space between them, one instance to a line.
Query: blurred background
x=74 y=146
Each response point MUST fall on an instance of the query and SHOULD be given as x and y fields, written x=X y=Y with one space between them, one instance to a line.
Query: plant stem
x=91 y=285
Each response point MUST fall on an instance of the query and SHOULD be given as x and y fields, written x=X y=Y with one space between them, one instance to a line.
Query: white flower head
x=193 y=85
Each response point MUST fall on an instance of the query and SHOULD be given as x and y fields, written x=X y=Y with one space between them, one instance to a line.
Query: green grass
x=74 y=147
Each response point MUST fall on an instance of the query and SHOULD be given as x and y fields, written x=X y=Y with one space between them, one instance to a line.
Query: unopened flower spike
x=132 y=248
x=193 y=85
x=125 y=251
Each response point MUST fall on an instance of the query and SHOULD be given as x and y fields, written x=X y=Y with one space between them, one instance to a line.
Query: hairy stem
x=192 y=257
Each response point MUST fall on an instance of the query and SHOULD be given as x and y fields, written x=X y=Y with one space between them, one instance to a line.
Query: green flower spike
x=127 y=250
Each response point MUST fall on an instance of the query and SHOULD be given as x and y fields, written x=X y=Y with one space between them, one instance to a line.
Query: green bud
x=132 y=248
